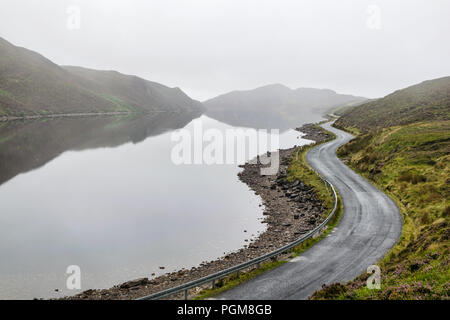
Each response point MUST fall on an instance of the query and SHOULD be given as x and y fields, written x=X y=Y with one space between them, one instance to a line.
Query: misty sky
x=209 y=47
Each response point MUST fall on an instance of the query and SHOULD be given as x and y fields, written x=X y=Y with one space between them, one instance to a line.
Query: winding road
x=370 y=226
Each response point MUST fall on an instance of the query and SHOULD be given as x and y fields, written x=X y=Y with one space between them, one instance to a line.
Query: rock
x=162 y=268
x=134 y=283
x=87 y=292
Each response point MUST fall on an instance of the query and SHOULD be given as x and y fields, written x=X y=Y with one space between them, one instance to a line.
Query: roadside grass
x=298 y=169
x=411 y=164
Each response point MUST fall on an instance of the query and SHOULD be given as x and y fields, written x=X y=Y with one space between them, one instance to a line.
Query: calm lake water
x=105 y=195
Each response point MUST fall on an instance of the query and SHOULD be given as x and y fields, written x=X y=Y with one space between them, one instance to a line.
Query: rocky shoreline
x=291 y=209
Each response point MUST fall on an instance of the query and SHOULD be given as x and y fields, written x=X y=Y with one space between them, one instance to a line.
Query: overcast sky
x=209 y=47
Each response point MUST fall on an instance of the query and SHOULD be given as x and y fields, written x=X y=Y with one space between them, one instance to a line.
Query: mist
x=209 y=47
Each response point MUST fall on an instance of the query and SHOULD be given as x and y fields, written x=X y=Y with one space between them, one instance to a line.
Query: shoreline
x=290 y=210
x=6 y=118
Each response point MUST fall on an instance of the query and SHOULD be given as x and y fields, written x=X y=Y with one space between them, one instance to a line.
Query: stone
x=133 y=283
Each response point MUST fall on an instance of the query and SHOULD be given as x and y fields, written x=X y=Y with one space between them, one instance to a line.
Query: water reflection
x=26 y=145
x=119 y=213
x=268 y=119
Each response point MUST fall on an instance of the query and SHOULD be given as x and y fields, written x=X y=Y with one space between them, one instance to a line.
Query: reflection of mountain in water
x=275 y=106
x=27 y=145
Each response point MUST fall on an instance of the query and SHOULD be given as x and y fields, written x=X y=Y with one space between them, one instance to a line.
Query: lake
x=103 y=193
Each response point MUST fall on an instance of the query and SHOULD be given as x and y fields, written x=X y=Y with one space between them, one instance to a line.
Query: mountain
x=133 y=92
x=426 y=101
x=275 y=106
x=30 y=84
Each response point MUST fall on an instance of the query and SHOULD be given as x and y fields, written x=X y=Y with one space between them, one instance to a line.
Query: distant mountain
x=275 y=106
x=426 y=101
x=30 y=84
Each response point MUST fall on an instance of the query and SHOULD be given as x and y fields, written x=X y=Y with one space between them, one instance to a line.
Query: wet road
x=370 y=226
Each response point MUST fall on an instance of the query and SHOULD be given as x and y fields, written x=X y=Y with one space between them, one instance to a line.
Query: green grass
x=411 y=164
x=120 y=105
x=426 y=101
x=298 y=169
x=4 y=93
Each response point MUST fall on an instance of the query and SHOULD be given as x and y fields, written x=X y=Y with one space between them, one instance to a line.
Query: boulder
x=134 y=283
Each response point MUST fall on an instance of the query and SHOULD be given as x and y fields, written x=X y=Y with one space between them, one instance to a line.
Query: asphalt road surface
x=370 y=226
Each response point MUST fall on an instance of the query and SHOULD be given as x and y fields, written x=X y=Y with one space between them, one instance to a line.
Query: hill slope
x=30 y=84
x=133 y=92
x=403 y=147
x=429 y=100
x=275 y=106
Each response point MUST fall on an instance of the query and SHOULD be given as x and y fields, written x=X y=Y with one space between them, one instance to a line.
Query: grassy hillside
x=426 y=101
x=410 y=163
x=30 y=84
x=132 y=92
x=275 y=106
x=339 y=111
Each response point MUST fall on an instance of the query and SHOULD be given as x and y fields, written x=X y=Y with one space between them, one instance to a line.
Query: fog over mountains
x=30 y=84
x=276 y=106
